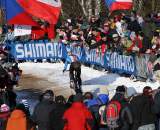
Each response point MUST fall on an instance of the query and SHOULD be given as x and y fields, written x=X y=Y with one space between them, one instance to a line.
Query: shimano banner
x=119 y=63
x=47 y=50
x=39 y=50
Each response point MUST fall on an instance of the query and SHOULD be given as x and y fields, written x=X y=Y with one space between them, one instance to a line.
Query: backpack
x=112 y=114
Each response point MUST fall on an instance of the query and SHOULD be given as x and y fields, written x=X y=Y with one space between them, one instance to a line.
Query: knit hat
x=48 y=94
x=4 y=108
x=115 y=35
x=60 y=99
x=121 y=89
x=147 y=90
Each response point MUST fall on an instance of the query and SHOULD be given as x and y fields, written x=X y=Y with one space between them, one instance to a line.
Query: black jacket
x=142 y=111
x=41 y=115
x=57 y=122
x=156 y=106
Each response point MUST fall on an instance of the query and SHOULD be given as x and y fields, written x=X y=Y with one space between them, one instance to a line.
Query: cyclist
x=74 y=71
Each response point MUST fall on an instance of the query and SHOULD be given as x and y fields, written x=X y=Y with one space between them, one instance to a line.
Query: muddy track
x=37 y=85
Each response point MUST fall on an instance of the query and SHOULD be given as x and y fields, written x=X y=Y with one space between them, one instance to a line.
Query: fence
x=133 y=65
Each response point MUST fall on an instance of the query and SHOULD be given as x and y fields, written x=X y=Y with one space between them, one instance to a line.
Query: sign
x=21 y=30
x=39 y=50
x=47 y=50
x=119 y=63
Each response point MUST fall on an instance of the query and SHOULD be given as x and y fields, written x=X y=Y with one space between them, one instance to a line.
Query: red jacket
x=77 y=117
x=137 y=42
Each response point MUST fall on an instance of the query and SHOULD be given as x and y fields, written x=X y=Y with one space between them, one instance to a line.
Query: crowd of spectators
x=85 y=112
x=121 y=33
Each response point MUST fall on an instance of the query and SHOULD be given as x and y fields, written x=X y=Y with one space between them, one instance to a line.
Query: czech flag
x=47 y=10
x=119 y=4
x=16 y=15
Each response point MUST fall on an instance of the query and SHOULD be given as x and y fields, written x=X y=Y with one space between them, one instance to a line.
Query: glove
x=63 y=70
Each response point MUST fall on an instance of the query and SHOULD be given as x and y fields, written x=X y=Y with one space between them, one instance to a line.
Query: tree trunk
x=82 y=3
x=98 y=7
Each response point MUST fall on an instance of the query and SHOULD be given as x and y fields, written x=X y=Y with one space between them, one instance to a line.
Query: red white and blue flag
x=16 y=15
x=48 y=10
x=119 y=4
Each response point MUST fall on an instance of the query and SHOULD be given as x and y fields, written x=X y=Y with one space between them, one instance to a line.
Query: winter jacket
x=41 y=115
x=19 y=121
x=126 y=118
x=135 y=43
x=78 y=117
x=142 y=110
x=156 y=106
x=57 y=122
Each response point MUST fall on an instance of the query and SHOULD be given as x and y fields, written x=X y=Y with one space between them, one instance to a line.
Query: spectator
x=10 y=35
x=57 y=115
x=148 y=27
x=125 y=117
x=156 y=107
x=78 y=117
x=41 y=115
x=87 y=96
x=94 y=106
x=18 y=120
x=142 y=110
x=115 y=44
x=136 y=43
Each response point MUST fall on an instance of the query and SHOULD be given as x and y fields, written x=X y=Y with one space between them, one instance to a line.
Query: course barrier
x=113 y=61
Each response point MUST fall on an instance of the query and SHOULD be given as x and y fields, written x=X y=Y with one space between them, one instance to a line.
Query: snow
x=93 y=80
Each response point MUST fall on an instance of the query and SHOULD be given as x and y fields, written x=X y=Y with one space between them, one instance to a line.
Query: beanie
x=147 y=90
x=121 y=89
x=48 y=94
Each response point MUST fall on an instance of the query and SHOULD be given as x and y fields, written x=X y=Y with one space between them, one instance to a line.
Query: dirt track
x=35 y=84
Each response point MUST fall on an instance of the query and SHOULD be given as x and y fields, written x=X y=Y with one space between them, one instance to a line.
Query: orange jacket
x=17 y=121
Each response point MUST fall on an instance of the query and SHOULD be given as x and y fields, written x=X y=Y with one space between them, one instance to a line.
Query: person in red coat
x=78 y=117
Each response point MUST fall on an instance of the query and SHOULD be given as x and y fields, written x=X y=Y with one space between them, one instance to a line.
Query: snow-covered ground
x=93 y=80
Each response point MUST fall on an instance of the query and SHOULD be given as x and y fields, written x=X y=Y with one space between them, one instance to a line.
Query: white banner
x=21 y=30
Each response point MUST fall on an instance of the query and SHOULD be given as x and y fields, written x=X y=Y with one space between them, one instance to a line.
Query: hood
x=17 y=114
x=78 y=105
x=103 y=98
x=92 y=102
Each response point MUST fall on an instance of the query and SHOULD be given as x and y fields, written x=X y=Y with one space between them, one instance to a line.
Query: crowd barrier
x=133 y=65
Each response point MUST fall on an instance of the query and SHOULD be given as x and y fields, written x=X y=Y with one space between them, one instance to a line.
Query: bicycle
x=74 y=83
